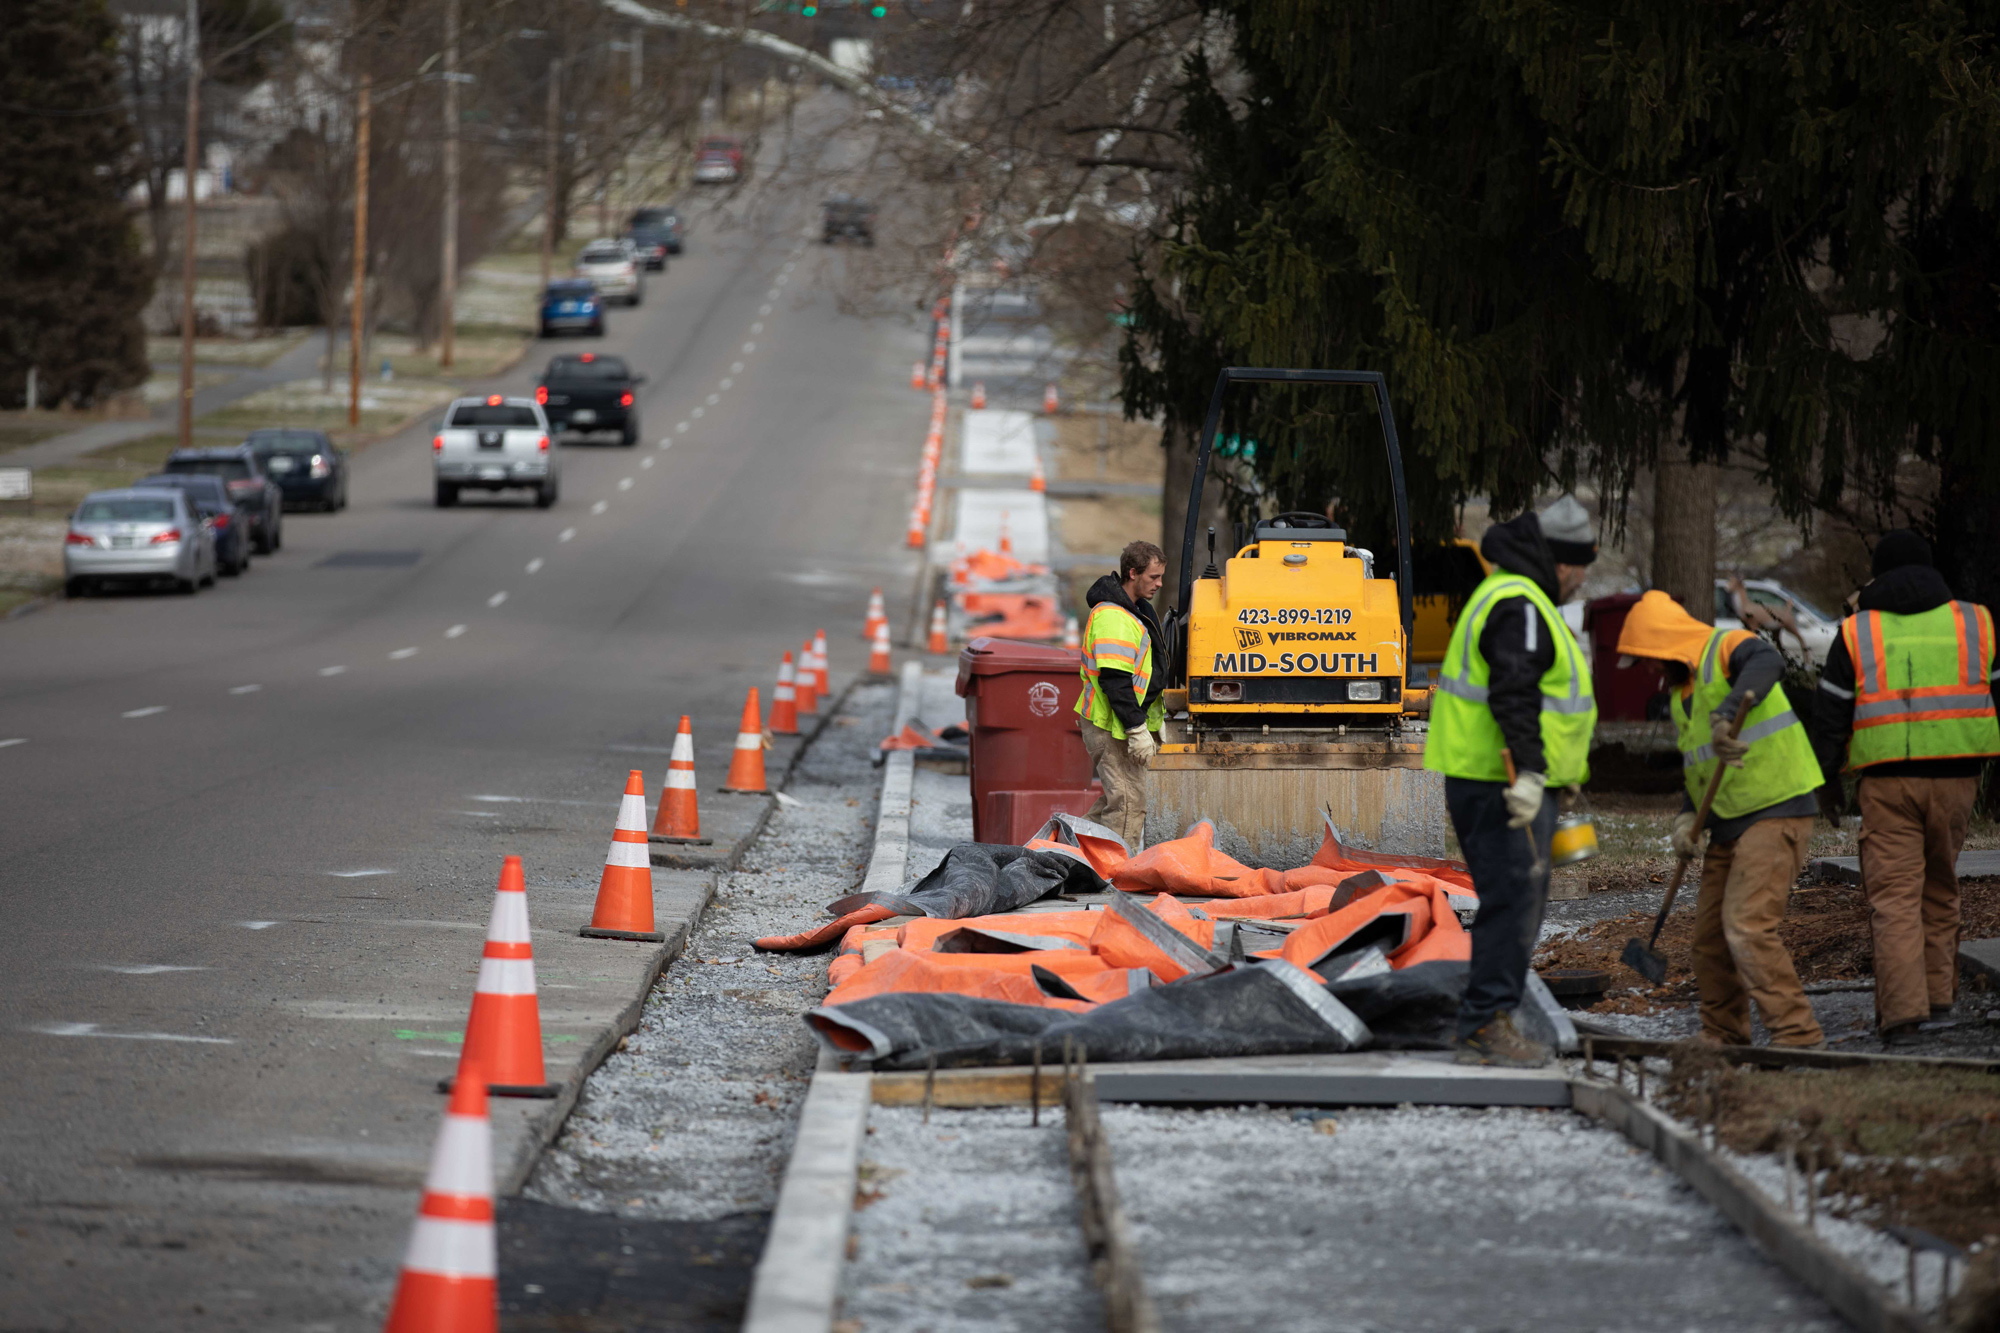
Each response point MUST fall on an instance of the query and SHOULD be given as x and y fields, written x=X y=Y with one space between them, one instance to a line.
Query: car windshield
x=134 y=510
x=570 y=291
x=191 y=483
x=651 y=217
x=718 y=145
x=1770 y=597
x=493 y=414
x=285 y=442
x=602 y=257
x=596 y=368
x=229 y=469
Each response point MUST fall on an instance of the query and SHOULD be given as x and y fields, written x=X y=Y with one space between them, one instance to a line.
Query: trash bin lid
x=986 y=656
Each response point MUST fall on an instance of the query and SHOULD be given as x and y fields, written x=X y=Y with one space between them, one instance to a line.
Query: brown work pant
x=1911 y=833
x=1122 y=807
x=1738 y=956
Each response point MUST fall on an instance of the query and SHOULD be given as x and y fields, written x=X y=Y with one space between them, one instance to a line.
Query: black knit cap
x=1899 y=548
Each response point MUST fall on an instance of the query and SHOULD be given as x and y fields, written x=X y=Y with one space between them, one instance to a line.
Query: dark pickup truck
x=588 y=392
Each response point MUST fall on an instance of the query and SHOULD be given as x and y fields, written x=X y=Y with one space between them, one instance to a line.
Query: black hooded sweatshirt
x=1116 y=684
x=1904 y=591
x=1517 y=646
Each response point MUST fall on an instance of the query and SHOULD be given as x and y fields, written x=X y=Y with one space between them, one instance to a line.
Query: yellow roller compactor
x=1291 y=704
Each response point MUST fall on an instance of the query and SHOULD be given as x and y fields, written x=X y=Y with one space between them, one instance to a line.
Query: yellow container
x=1575 y=839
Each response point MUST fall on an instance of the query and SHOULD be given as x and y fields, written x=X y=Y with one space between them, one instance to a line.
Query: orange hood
x=1659 y=627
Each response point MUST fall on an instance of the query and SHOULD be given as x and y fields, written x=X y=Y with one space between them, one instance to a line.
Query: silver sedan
x=137 y=536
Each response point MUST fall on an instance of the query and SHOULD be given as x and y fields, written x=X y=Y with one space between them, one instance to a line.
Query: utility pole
x=448 y=288
x=192 y=162
x=554 y=131
x=358 y=314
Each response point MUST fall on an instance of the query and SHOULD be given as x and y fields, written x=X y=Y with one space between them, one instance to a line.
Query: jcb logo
x=1249 y=638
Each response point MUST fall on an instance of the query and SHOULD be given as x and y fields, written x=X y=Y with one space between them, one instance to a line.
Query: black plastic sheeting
x=1267 y=1008
x=981 y=879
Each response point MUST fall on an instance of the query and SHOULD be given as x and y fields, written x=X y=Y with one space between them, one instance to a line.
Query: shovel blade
x=1652 y=966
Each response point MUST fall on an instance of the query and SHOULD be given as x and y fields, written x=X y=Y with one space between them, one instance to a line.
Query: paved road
x=238 y=826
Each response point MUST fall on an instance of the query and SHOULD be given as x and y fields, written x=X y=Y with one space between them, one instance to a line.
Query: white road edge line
x=244 y=689
x=13 y=740
x=145 y=712
x=332 y=671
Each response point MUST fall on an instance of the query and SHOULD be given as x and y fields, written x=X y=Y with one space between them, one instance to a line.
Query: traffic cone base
x=746 y=762
x=503 y=1034
x=624 y=908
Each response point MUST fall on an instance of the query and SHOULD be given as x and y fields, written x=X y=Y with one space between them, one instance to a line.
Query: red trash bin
x=1020 y=705
x=1622 y=692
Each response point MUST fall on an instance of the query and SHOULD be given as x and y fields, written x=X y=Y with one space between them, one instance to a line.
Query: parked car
x=572 y=303
x=1816 y=629
x=309 y=471
x=719 y=162
x=496 y=444
x=853 y=219
x=667 y=222
x=589 y=392
x=138 y=536
x=613 y=268
x=724 y=146
x=243 y=473
x=228 y=521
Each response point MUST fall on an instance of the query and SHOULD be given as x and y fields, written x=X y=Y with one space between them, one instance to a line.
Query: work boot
x=1500 y=1042
x=1902 y=1034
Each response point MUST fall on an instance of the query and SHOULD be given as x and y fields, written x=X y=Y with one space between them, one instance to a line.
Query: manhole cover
x=371 y=559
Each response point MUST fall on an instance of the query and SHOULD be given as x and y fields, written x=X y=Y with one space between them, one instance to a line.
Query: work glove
x=1524 y=799
x=1685 y=844
x=1140 y=745
x=1729 y=749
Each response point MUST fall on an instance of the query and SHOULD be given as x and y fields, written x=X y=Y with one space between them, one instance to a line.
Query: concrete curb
x=796 y=1288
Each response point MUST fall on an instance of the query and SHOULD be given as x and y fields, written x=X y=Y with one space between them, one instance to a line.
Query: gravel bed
x=693 y=1117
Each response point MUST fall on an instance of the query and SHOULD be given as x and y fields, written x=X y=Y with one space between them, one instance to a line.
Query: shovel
x=1643 y=958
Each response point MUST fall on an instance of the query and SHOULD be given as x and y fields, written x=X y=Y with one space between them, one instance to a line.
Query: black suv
x=852 y=218
x=590 y=392
x=248 y=486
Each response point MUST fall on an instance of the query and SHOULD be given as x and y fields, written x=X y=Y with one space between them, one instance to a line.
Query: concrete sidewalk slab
x=981 y=513
x=1847 y=869
x=995 y=441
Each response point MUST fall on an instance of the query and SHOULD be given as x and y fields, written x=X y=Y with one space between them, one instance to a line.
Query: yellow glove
x=1524 y=799
x=1684 y=840
x=1140 y=745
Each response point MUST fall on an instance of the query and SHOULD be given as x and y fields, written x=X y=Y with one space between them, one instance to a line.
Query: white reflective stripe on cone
x=506 y=976
x=632 y=813
x=462 y=1162
x=509 y=922
x=683 y=749
x=680 y=779
x=451 y=1248
x=628 y=856
x=749 y=740
x=785 y=691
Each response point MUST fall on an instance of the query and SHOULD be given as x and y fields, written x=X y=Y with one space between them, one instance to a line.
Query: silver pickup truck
x=493 y=444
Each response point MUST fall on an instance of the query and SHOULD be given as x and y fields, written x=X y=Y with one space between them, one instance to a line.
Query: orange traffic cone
x=806 y=683
x=746 y=765
x=625 y=889
x=679 y=819
x=1038 y=480
x=878 y=614
x=450 y=1281
x=785 y=701
x=1072 y=639
x=1006 y=537
x=916 y=375
x=978 y=395
x=878 y=656
x=503 y=1037
x=820 y=681
x=940 y=642
x=1049 y=402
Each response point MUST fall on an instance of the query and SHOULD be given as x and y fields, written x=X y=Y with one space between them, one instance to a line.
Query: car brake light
x=494 y=400
x=79 y=539
x=625 y=399
x=542 y=394
x=221 y=522
x=589 y=357
x=437 y=444
x=543 y=444
x=170 y=535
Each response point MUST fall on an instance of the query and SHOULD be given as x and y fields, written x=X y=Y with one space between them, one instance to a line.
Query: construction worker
x=1758 y=826
x=1514 y=684
x=1906 y=701
x=1120 y=710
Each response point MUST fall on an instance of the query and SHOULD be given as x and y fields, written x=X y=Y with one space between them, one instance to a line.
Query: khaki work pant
x=1737 y=954
x=1911 y=833
x=1122 y=807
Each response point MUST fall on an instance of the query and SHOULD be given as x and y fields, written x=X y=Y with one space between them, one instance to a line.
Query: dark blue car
x=572 y=305
x=229 y=520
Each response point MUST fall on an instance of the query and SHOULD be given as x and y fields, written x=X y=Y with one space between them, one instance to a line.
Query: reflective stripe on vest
x=1780 y=764
x=1464 y=741
x=1113 y=637
x=1922 y=684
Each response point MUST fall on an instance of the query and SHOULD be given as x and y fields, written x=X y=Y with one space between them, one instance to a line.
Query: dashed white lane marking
x=145 y=712
x=729 y=383
x=358 y=874
x=680 y=428
x=333 y=671
x=478 y=814
x=454 y=631
x=781 y=280
x=93 y=1030
x=256 y=925
x=666 y=444
x=624 y=483
x=645 y=462
x=736 y=367
x=771 y=295
x=244 y=689
x=567 y=534
x=402 y=653
x=146 y=969
x=791 y=264
x=13 y=740
x=699 y=411
x=600 y=506
x=497 y=598
x=714 y=398
x=762 y=310
x=535 y=565
x=758 y=327
x=751 y=346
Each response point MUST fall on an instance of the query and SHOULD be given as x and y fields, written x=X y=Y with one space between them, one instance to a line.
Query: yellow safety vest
x=1922 y=685
x=1113 y=637
x=1464 y=741
x=1780 y=764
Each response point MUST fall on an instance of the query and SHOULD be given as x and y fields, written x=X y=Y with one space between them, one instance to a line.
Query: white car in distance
x=1815 y=630
x=615 y=268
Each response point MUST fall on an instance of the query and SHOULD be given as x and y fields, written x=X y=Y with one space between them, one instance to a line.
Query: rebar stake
x=1590 y=1057
x=1035 y=1090
x=930 y=1084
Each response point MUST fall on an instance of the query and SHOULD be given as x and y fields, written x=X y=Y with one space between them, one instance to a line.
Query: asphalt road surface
x=230 y=820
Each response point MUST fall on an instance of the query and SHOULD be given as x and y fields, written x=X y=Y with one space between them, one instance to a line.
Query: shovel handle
x=1700 y=818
